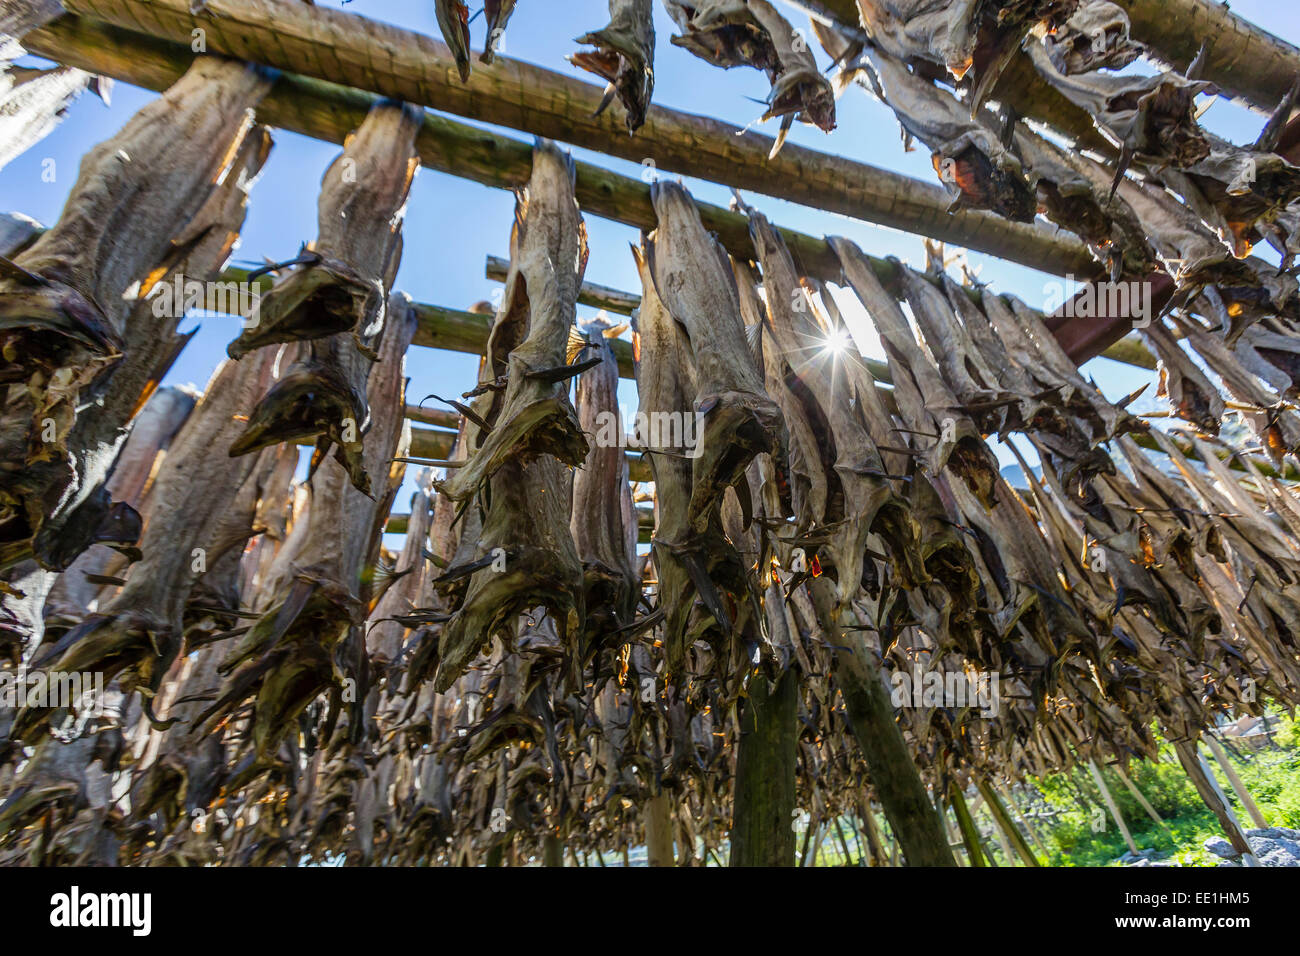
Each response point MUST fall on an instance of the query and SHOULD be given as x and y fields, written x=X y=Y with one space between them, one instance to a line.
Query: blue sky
x=453 y=224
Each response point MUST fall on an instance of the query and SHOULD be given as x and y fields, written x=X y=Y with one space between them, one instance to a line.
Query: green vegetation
x=1272 y=775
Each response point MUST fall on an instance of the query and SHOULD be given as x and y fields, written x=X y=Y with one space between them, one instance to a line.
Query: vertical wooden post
x=1238 y=786
x=761 y=832
x=1006 y=826
x=1010 y=800
x=1112 y=806
x=659 y=830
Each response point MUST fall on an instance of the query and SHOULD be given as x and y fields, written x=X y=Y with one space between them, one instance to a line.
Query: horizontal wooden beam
x=590 y=294
x=346 y=48
x=645 y=519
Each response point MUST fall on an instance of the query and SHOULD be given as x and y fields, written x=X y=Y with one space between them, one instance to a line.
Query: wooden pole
x=1194 y=765
x=1112 y=806
x=761 y=832
x=1009 y=798
x=1246 y=62
x=1006 y=826
x=1238 y=786
x=970 y=835
x=352 y=50
x=1138 y=795
x=659 y=830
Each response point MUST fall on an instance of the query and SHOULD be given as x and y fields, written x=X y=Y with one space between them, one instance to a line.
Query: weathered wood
x=1207 y=786
x=362 y=53
x=966 y=824
x=1006 y=825
x=762 y=829
x=596 y=296
x=1243 y=60
x=894 y=775
x=1234 y=778
x=1112 y=806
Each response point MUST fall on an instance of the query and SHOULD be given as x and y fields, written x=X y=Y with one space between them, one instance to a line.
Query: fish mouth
x=50 y=326
x=312 y=401
x=324 y=299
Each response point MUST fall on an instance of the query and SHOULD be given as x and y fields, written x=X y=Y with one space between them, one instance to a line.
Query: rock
x=1221 y=847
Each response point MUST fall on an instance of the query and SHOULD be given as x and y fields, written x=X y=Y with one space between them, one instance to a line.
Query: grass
x=1272 y=776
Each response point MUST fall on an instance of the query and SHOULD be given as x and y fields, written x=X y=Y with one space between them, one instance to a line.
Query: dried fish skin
x=624 y=57
x=693 y=278
x=497 y=13
x=310 y=641
x=1074 y=192
x=867 y=501
x=321 y=397
x=731 y=33
x=604 y=522
x=64 y=300
x=528 y=346
x=137 y=635
x=453 y=21
x=33 y=101
x=925 y=403
x=973 y=165
x=1154 y=117
x=1094 y=36
x=530 y=560
x=1192 y=396
x=341 y=287
x=943 y=31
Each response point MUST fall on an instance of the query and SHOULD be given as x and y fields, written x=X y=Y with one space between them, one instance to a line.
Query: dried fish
x=735 y=418
x=532 y=415
x=453 y=21
x=731 y=33
x=624 y=58
x=497 y=14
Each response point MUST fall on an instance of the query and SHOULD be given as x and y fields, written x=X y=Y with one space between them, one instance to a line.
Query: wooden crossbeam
x=346 y=48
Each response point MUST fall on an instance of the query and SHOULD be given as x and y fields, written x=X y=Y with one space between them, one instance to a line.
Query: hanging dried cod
x=62 y=305
x=338 y=300
x=497 y=13
x=310 y=641
x=453 y=21
x=731 y=33
x=974 y=165
x=523 y=394
x=863 y=501
x=137 y=635
x=527 y=433
x=624 y=57
x=604 y=521
x=735 y=418
x=1152 y=118
x=942 y=432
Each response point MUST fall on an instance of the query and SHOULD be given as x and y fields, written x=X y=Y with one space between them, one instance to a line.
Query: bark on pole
x=362 y=53
x=894 y=775
x=762 y=831
x=1112 y=806
x=659 y=830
